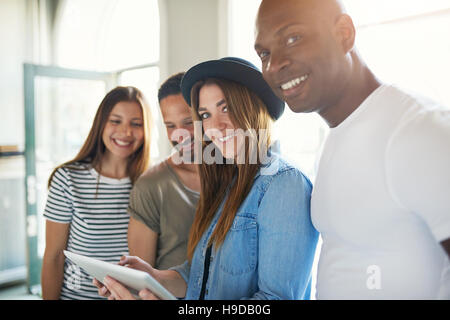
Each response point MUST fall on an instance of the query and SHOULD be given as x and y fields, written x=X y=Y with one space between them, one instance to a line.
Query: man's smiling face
x=302 y=59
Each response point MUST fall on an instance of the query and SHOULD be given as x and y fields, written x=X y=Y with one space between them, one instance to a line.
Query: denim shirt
x=269 y=250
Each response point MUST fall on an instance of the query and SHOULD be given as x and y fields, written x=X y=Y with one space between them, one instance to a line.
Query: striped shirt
x=96 y=209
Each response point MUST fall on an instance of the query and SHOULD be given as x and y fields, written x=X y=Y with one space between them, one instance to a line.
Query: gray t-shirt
x=166 y=206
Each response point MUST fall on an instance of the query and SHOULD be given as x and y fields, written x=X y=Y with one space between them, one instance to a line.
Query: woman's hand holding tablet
x=114 y=290
x=131 y=273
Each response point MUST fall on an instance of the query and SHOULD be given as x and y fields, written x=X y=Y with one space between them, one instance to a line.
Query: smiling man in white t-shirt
x=382 y=195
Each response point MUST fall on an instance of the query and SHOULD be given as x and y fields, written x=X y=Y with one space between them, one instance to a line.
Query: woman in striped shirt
x=86 y=209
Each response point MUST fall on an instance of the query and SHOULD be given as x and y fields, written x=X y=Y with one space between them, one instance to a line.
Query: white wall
x=14 y=48
x=191 y=33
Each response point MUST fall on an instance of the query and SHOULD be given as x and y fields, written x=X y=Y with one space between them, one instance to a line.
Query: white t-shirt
x=382 y=201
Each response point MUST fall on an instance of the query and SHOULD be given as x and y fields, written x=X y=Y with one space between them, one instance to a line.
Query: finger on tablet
x=97 y=283
x=118 y=291
x=102 y=290
x=122 y=261
x=146 y=294
x=133 y=262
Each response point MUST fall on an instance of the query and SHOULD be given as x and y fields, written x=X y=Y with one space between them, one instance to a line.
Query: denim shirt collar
x=271 y=166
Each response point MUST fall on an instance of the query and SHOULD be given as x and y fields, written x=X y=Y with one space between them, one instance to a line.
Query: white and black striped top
x=96 y=208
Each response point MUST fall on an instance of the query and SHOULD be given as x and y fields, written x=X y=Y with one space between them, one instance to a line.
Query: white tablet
x=133 y=279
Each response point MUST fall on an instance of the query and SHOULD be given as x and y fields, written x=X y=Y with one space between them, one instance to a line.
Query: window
x=107 y=35
x=406 y=42
x=120 y=36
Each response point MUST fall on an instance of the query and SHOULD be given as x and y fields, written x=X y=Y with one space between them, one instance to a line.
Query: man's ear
x=345 y=32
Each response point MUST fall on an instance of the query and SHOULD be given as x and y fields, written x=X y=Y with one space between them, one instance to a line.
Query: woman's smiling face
x=216 y=121
x=124 y=133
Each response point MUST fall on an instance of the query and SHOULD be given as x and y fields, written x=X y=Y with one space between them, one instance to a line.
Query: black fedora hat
x=238 y=70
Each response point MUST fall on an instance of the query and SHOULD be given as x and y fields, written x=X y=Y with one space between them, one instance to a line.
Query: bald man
x=382 y=195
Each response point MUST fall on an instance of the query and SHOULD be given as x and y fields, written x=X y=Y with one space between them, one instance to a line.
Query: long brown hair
x=93 y=149
x=247 y=111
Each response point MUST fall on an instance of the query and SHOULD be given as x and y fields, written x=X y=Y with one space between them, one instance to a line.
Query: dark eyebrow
x=289 y=26
x=119 y=116
x=218 y=104
x=283 y=29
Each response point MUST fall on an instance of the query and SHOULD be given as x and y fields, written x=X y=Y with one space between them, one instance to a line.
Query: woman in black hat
x=252 y=235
